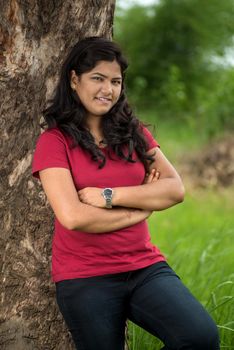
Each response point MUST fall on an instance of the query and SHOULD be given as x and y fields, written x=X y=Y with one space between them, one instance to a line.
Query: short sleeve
x=50 y=152
x=152 y=143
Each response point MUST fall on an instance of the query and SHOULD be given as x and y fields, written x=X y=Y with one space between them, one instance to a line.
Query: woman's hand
x=92 y=196
x=152 y=177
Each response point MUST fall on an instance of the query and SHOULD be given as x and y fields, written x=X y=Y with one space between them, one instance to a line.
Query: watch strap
x=108 y=203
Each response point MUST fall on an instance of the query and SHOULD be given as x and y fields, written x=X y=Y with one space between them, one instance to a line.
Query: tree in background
x=35 y=36
x=173 y=49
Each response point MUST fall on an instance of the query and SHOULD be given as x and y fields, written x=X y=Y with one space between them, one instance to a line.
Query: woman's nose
x=107 y=87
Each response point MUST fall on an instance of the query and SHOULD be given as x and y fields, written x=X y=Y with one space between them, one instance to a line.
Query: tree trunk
x=35 y=36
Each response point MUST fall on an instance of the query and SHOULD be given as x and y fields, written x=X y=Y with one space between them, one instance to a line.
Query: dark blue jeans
x=95 y=310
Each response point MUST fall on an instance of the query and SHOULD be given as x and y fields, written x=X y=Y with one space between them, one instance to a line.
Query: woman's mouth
x=104 y=100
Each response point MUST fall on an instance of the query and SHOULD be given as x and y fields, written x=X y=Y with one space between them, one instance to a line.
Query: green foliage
x=173 y=90
x=171 y=48
x=216 y=109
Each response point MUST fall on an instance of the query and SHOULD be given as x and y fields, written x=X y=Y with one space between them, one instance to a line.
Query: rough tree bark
x=34 y=38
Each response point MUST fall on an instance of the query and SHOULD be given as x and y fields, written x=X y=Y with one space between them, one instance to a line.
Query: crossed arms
x=85 y=210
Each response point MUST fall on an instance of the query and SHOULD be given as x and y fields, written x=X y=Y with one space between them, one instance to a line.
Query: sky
x=128 y=3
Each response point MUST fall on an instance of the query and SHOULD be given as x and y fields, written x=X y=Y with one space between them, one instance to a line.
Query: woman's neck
x=97 y=135
x=95 y=129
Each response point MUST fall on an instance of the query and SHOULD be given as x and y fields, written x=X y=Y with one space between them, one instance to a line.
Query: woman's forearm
x=98 y=220
x=73 y=214
x=162 y=188
x=158 y=195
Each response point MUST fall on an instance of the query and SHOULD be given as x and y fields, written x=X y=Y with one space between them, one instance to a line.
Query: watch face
x=108 y=192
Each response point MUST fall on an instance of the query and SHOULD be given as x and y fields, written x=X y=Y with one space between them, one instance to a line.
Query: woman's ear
x=74 y=80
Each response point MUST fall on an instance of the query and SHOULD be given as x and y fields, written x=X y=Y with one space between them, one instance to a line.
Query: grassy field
x=197 y=238
x=176 y=137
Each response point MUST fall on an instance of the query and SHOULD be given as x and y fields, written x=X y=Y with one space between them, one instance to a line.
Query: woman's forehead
x=107 y=68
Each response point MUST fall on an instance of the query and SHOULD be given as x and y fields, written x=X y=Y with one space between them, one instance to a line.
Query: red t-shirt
x=78 y=254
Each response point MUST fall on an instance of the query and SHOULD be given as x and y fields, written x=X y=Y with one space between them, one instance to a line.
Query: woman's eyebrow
x=105 y=76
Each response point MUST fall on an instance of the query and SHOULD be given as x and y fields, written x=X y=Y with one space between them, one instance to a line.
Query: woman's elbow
x=71 y=223
x=67 y=223
x=180 y=193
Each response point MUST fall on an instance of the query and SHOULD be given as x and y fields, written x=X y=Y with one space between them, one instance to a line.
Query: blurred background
x=181 y=81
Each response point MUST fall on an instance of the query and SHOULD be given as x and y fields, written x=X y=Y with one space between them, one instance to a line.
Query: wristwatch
x=107 y=193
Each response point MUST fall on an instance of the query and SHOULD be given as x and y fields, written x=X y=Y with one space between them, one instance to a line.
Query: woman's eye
x=97 y=78
x=116 y=82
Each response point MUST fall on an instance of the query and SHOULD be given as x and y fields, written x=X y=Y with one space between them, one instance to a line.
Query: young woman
x=104 y=174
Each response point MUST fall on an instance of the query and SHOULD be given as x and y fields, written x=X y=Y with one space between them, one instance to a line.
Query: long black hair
x=66 y=112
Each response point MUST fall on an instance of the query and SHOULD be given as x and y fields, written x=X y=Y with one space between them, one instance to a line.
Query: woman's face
x=100 y=88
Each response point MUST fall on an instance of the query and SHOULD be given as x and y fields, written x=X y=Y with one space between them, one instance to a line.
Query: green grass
x=176 y=137
x=197 y=238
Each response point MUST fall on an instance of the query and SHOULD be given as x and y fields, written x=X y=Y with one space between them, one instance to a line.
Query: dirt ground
x=211 y=167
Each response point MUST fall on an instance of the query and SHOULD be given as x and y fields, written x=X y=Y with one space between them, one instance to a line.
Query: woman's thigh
x=94 y=311
x=163 y=306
